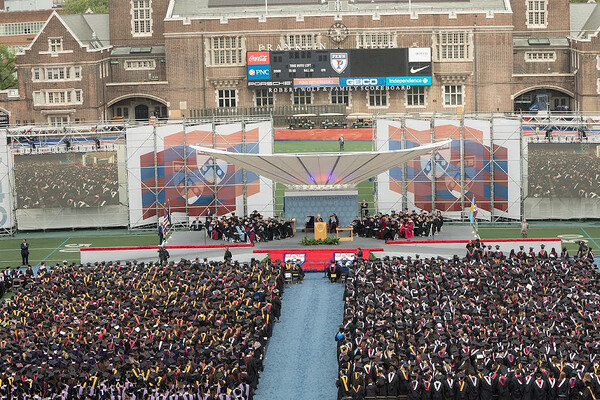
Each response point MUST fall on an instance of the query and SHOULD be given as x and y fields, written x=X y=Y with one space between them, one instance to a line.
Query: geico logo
x=256 y=59
x=361 y=81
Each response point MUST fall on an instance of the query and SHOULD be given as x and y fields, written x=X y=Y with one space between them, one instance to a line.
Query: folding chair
x=288 y=277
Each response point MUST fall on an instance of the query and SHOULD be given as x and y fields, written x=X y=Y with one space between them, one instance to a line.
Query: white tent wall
x=7 y=220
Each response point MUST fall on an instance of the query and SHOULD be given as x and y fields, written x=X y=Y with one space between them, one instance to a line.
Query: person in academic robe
x=461 y=389
x=344 y=386
x=543 y=254
x=393 y=382
x=562 y=387
x=414 y=388
x=487 y=386
x=539 y=387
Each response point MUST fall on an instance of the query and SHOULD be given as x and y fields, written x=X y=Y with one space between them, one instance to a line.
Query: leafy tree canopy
x=81 y=6
x=8 y=78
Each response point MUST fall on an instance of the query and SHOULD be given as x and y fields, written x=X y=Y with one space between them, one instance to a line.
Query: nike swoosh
x=414 y=71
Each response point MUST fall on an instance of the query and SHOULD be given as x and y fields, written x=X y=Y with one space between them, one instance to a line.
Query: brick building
x=188 y=57
x=19 y=28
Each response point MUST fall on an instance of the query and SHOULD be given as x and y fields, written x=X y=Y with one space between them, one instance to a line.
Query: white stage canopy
x=322 y=171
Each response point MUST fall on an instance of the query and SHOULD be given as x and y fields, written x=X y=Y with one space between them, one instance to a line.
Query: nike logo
x=414 y=70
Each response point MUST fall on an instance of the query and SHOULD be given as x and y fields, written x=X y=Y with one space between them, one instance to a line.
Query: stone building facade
x=172 y=58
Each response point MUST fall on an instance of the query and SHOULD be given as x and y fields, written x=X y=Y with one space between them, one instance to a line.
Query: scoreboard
x=340 y=68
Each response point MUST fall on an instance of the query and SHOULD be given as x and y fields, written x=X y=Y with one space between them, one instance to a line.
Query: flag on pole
x=473 y=211
x=166 y=222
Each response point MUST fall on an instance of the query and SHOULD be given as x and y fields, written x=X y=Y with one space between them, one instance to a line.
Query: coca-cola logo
x=259 y=58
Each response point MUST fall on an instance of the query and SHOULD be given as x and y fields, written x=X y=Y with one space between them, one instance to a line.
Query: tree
x=8 y=78
x=81 y=6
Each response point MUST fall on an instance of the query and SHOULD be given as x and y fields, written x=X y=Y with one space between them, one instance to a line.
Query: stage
x=191 y=245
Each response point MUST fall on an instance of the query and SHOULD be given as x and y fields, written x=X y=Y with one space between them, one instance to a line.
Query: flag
x=473 y=211
x=166 y=222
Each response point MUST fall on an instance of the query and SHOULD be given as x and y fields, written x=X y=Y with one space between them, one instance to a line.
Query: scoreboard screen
x=340 y=68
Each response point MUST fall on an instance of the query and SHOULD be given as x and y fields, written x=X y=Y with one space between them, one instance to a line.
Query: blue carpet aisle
x=300 y=362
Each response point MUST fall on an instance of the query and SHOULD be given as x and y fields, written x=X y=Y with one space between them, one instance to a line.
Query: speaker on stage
x=320 y=230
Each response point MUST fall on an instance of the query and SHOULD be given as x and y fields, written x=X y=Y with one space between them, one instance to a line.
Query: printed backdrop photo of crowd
x=481 y=163
x=562 y=180
x=167 y=175
x=70 y=189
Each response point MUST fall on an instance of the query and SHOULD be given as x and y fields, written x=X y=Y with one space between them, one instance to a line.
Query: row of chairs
x=292 y=276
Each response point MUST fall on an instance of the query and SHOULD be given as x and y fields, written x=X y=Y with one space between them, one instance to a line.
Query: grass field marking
x=54 y=251
x=35 y=248
x=588 y=235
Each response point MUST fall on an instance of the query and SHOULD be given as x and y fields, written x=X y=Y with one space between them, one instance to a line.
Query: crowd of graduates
x=184 y=331
x=395 y=226
x=252 y=228
x=520 y=326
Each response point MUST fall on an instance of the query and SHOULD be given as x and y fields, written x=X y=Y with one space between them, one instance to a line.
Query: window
x=140 y=65
x=598 y=85
x=57 y=97
x=560 y=103
x=536 y=13
x=415 y=96
x=226 y=97
x=264 y=98
x=378 y=98
x=453 y=95
x=225 y=50
x=44 y=74
x=452 y=46
x=122 y=112
x=141 y=17
x=58 y=120
x=301 y=42
x=540 y=56
x=21 y=28
x=301 y=97
x=340 y=96
x=375 y=40
x=55 y=45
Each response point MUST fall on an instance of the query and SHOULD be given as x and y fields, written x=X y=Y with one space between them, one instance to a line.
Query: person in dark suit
x=25 y=252
x=161 y=234
x=227 y=257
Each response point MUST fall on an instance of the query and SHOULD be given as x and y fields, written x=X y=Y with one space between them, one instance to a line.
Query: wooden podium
x=320 y=230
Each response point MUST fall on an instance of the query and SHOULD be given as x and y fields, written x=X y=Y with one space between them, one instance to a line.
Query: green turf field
x=365 y=189
x=569 y=232
x=58 y=246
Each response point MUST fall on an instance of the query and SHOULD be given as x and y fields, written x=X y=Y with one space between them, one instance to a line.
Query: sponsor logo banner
x=258 y=58
x=252 y=83
x=316 y=82
x=419 y=54
x=259 y=72
x=408 y=81
x=349 y=82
